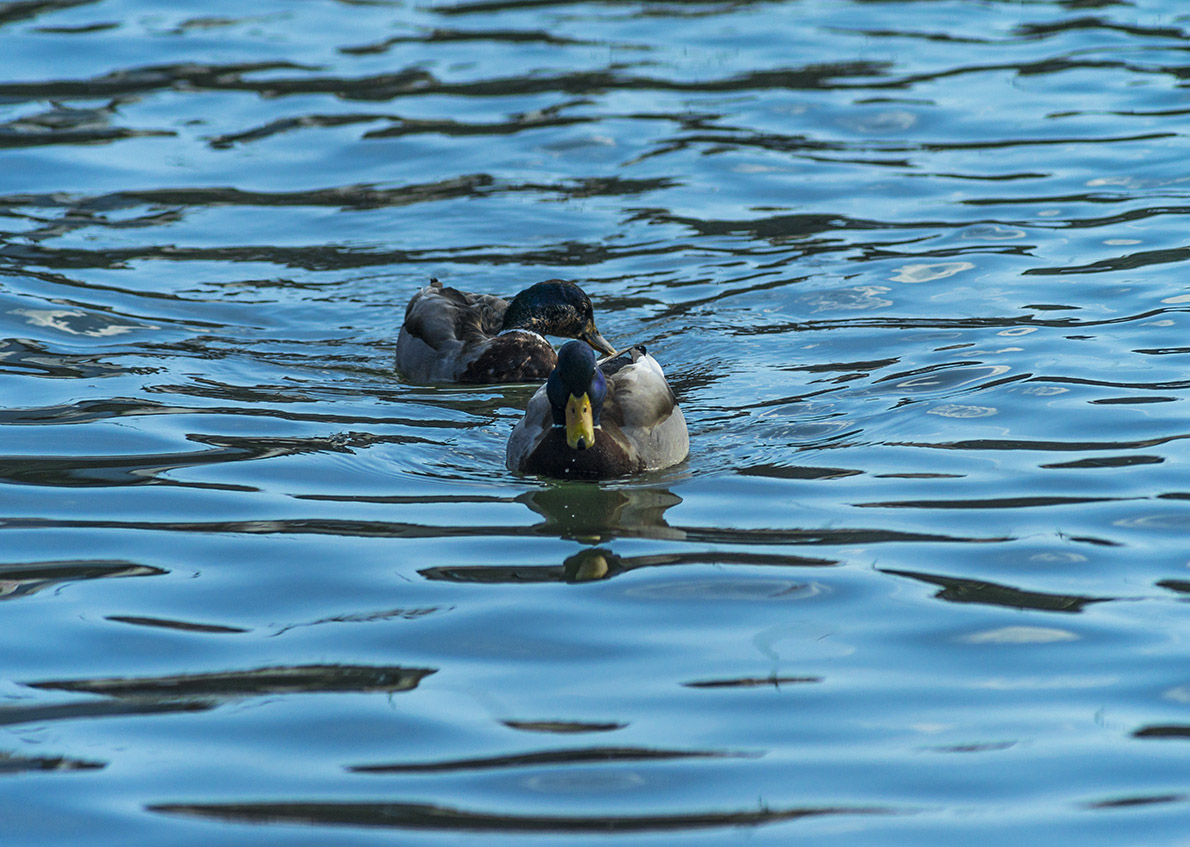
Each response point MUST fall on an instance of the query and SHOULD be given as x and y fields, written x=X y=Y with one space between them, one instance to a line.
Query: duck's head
x=576 y=390
x=556 y=307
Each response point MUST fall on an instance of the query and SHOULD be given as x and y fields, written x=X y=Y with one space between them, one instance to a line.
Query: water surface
x=917 y=272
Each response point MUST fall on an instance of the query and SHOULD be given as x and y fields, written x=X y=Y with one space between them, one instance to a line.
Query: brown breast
x=606 y=460
x=512 y=357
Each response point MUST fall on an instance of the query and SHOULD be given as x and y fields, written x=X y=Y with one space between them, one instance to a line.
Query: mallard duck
x=455 y=336
x=599 y=422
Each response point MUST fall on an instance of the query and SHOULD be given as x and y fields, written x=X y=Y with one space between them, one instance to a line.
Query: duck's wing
x=438 y=314
x=529 y=431
x=641 y=395
x=477 y=317
x=444 y=329
x=646 y=411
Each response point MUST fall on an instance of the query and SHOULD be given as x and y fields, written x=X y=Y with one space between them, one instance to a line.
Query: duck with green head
x=599 y=420
x=457 y=336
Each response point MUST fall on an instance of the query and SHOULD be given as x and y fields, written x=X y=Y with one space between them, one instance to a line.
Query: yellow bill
x=580 y=424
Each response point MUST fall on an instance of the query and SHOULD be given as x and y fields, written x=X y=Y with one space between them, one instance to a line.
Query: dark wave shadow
x=569 y=756
x=675 y=8
x=12 y=764
x=21 y=580
x=772 y=681
x=1132 y=801
x=440 y=35
x=290 y=679
x=259 y=402
x=182 y=626
x=401 y=613
x=332 y=257
x=1129 y=262
x=776 y=470
x=962 y=590
x=1044 y=445
x=1180 y=586
x=399 y=126
x=64 y=125
x=266 y=79
x=274 y=79
x=424 y=816
x=1104 y=462
x=164 y=206
x=24 y=357
x=994 y=503
x=563 y=727
x=44 y=713
x=126 y=696
x=1177 y=732
x=1029 y=320
x=148 y=469
x=22 y=10
x=393 y=529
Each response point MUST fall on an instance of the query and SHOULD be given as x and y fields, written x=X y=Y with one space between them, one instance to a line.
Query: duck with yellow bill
x=600 y=420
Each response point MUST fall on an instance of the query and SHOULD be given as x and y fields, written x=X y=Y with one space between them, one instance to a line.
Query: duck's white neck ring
x=526 y=331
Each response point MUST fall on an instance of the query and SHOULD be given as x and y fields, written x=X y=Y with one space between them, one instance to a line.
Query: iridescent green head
x=576 y=390
x=556 y=307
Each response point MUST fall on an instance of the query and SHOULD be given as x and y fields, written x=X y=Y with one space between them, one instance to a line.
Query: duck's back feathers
x=458 y=336
x=641 y=427
x=431 y=344
x=438 y=314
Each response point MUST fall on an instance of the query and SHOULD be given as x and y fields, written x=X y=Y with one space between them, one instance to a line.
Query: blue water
x=918 y=273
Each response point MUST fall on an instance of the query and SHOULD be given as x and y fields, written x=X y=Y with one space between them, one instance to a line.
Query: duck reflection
x=590 y=514
x=594 y=514
x=592 y=563
x=588 y=564
x=601 y=563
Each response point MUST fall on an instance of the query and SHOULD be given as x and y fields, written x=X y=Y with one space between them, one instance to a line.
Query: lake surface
x=918 y=272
